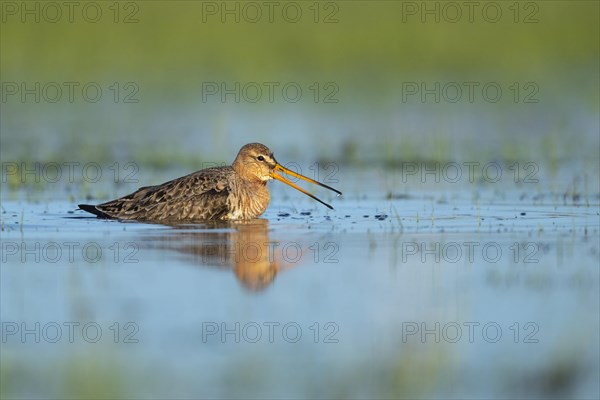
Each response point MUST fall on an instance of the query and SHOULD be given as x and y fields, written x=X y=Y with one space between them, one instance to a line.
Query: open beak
x=281 y=178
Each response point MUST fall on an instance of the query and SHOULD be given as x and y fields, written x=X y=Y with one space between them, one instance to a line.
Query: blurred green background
x=364 y=50
x=171 y=49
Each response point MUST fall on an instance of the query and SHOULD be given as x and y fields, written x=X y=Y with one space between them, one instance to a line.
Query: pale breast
x=247 y=200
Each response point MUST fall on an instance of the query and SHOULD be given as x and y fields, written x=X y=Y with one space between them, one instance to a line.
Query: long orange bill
x=281 y=168
x=280 y=178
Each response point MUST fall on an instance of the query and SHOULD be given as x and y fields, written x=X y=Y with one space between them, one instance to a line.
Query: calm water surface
x=390 y=295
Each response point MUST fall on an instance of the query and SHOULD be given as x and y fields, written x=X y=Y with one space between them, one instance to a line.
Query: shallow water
x=426 y=281
x=433 y=294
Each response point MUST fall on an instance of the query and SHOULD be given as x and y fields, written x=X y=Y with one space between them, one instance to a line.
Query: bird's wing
x=199 y=196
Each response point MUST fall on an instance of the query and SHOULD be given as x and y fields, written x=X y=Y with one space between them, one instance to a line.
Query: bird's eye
x=260 y=158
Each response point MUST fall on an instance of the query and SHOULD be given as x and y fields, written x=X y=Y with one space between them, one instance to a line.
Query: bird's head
x=255 y=161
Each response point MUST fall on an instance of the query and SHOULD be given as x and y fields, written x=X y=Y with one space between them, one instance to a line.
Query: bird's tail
x=94 y=210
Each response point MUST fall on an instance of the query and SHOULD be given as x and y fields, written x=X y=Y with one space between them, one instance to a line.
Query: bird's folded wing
x=197 y=196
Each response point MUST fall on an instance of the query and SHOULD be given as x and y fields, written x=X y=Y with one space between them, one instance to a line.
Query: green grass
x=172 y=51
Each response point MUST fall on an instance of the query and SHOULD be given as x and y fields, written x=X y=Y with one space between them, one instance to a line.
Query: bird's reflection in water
x=243 y=246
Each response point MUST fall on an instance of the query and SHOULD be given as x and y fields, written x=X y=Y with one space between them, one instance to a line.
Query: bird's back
x=202 y=195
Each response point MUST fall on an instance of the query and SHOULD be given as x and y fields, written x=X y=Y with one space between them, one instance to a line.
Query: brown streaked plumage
x=234 y=192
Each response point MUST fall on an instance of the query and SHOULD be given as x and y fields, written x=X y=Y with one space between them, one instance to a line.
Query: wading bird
x=232 y=192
